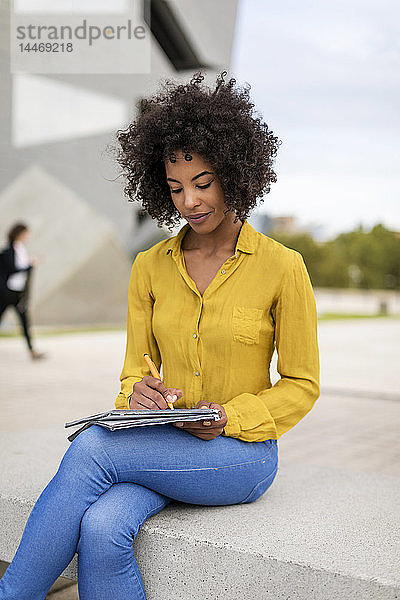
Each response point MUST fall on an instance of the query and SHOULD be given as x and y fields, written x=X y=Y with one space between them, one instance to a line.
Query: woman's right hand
x=152 y=394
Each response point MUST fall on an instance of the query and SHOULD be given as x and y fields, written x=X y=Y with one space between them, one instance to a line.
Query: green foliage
x=360 y=259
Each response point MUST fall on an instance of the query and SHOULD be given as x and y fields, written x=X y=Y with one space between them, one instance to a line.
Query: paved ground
x=354 y=424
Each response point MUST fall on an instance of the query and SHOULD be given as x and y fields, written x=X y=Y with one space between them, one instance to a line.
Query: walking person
x=209 y=304
x=15 y=272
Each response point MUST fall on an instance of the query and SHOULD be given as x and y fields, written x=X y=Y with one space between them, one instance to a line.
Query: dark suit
x=17 y=299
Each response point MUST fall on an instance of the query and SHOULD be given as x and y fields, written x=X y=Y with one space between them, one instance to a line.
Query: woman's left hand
x=206 y=430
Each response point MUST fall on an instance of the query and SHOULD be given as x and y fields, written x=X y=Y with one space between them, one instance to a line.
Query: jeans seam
x=108 y=456
x=273 y=472
x=251 y=462
x=147 y=515
x=138 y=584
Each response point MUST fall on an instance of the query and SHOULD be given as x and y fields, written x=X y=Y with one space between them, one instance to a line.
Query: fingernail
x=203 y=406
x=169 y=398
x=206 y=423
x=180 y=424
x=174 y=398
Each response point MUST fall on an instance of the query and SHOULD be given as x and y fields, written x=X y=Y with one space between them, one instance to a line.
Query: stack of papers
x=122 y=419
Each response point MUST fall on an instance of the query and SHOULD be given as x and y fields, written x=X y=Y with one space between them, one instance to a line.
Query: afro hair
x=219 y=124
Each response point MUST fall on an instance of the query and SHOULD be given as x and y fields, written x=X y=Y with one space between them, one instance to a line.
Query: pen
x=155 y=373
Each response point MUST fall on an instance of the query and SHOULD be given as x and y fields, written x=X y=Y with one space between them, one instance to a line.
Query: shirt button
x=196 y=373
x=223 y=271
x=195 y=335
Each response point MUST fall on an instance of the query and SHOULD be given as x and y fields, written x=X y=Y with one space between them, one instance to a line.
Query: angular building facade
x=57 y=174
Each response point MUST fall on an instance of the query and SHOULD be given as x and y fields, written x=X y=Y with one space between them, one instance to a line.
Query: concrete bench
x=316 y=534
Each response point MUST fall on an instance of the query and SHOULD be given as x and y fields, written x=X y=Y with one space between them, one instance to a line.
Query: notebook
x=123 y=419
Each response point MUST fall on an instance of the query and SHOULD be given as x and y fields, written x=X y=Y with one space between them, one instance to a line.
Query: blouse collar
x=246 y=242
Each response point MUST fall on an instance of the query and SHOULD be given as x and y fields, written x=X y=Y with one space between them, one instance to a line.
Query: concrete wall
x=363 y=302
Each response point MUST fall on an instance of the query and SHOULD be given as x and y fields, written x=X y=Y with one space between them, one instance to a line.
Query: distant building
x=285 y=224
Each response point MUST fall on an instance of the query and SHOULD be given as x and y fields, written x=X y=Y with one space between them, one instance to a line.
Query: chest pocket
x=246 y=324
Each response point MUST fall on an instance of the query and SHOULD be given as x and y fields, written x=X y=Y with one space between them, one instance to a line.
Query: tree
x=354 y=259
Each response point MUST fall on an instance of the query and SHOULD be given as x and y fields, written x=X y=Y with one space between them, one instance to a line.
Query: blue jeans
x=107 y=485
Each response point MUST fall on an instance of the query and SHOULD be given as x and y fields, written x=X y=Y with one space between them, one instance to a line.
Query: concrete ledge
x=315 y=534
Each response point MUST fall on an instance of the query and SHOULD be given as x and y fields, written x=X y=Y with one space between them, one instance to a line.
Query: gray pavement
x=353 y=426
x=359 y=407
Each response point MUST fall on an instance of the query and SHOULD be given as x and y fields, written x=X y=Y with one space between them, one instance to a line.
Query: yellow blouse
x=218 y=347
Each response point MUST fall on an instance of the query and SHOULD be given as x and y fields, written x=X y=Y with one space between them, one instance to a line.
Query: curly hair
x=217 y=124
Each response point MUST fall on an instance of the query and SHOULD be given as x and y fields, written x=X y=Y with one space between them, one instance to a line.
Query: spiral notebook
x=123 y=419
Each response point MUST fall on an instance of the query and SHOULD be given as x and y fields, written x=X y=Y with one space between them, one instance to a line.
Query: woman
x=15 y=269
x=207 y=304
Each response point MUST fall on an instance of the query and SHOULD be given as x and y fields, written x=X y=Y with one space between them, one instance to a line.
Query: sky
x=325 y=77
